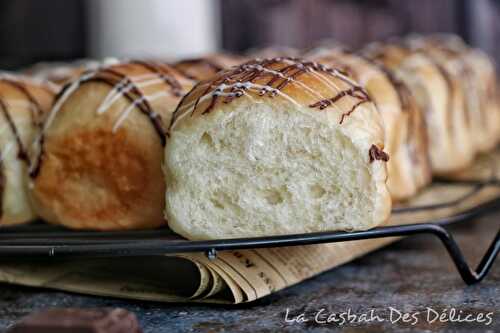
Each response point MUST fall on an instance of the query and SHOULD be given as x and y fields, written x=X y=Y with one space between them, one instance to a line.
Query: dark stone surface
x=409 y=276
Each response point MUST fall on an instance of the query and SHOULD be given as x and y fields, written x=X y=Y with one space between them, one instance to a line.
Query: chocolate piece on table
x=102 y=320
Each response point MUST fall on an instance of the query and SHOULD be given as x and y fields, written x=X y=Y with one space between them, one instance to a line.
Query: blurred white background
x=161 y=29
x=63 y=30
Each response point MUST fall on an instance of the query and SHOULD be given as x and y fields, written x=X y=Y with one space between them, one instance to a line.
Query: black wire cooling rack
x=41 y=240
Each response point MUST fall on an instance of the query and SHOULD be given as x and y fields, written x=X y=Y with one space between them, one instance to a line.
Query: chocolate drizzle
x=334 y=62
x=377 y=60
x=165 y=73
x=356 y=92
x=375 y=153
x=36 y=113
x=268 y=77
x=416 y=124
x=22 y=152
x=134 y=94
x=35 y=108
x=35 y=167
x=324 y=103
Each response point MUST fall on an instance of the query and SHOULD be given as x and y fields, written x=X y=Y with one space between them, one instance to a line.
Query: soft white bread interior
x=23 y=104
x=278 y=146
x=98 y=162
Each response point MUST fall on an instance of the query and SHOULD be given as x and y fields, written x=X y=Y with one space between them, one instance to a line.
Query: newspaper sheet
x=235 y=276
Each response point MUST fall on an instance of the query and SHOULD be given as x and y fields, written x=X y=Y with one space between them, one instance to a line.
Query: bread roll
x=453 y=55
x=99 y=162
x=275 y=146
x=206 y=67
x=23 y=104
x=405 y=134
x=440 y=95
x=478 y=75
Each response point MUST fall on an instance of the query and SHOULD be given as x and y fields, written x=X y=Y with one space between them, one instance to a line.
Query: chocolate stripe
x=353 y=108
x=144 y=106
x=279 y=79
x=22 y=153
x=323 y=104
x=415 y=142
x=35 y=114
x=164 y=72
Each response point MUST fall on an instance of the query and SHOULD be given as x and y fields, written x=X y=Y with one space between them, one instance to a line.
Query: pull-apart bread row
x=217 y=148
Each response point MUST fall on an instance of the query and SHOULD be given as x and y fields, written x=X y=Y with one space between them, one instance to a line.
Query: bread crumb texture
x=262 y=169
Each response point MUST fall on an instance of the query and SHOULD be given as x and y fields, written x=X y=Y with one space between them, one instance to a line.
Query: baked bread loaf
x=405 y=135
x=440 y=95
x=98 y=163
x=23 y=104
x=275 y=146
x=206 y=67
x=477 y=76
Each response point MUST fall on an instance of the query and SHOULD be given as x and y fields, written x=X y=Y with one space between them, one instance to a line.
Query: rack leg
x=468 y=275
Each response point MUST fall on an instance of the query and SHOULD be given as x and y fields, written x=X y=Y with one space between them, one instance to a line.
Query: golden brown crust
x=100 y=162
x=77 y=166
x=292 y=80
